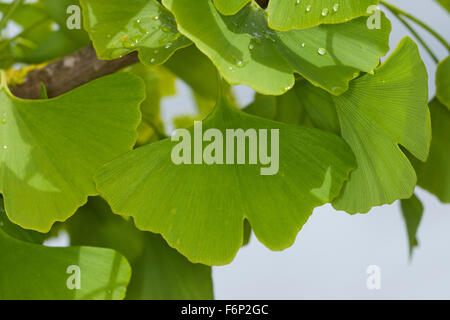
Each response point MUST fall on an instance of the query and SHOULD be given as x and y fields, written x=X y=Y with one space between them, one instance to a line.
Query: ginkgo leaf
x=230 y=7
x=32 y=271
x=200 y=209
x=118 y=27
x=434 y=175
x=376 y=114
x=17 y=232
x=158 y=83
x=50 y=149
x=319 y=106
x=412 y=210
x=445 y=4
x=247 y=51
x=159 y=272
x=301 y=14
x=60 y=13
x=443 y=82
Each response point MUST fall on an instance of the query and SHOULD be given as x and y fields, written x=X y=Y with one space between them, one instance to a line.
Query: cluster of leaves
x=354 y=133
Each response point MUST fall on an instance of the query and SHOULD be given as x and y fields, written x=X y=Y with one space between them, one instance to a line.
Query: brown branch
x=69 y=73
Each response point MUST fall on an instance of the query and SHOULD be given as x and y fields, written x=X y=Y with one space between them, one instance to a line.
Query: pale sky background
x=334 y=249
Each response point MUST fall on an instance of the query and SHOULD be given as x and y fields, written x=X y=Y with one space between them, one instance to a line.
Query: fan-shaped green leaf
x=204 y=215
x=159 y=272
x=58 y=10
x=230 y=7
x=376 y=114
x=118 y=27
x=412 y=210
x=31 y=271
x=301 y=14
x=443 y=82
x=50 y=149
x=434 y=175
x=247 y=52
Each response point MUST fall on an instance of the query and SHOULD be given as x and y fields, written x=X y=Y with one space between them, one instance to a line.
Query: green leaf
x=159 y=272
x=118 y=27
x=434 y=175
x=443 y=82
x=203 y=217
x=162 y=273
x=17 y=232
x=158 y=83
x=31 y=271
x=301 y=14
x=246 y=51
x=50 y=149
x=319 y=106
x=445 y=4
x=412 y=210
x=376 y=114
x=230 y=7
x=38 y=42
x=58 y=10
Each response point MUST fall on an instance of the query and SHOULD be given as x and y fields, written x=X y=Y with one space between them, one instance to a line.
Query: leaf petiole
x=399 y=12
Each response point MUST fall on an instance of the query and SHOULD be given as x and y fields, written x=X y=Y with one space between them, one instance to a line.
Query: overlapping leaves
x=301 y=14
x=159 y=272
x=200 y=209
x=31 y=271
x=50 y=149
x=378 y=113
x=247 y=51
x=118 y=27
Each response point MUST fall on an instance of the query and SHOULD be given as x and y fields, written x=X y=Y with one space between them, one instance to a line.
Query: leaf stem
x=399 y=12
x=417 y=36
x=12 y=8
x=34 y=25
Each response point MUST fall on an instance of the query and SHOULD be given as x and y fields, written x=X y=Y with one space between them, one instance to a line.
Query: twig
x=69 y=73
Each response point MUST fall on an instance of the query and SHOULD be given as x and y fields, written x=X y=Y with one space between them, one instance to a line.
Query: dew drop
x=336 y=7
x=325 y=12
x=303 y=44
x=308 y=8
x=152 y=60
x=5 y=147
x=167 y=46
x=251 y=46
x=297 y=2
x=322 y=51
x=4 y=120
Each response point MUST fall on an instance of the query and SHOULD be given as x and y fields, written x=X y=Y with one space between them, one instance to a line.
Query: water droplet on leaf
x=322 y=51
